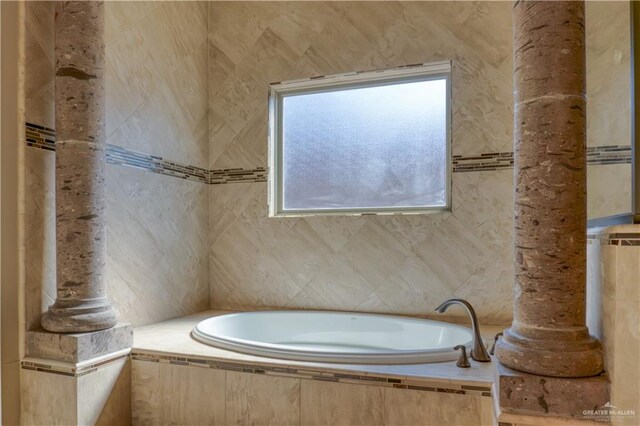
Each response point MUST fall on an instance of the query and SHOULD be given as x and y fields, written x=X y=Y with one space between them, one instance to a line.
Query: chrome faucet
x=479 y=352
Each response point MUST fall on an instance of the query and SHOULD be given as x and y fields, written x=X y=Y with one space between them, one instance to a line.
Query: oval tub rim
x=285 y=352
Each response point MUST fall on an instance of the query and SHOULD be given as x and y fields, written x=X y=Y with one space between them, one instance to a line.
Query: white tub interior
x=334 y=336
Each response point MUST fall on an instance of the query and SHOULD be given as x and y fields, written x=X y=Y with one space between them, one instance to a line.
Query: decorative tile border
x=483 y=162
x=627 y=239
x=317 y=374
x=44 y=138
x=125 y=157
x=40 y=137
x=69 y=369
x=217 y=177
x=605 y=154
x=609 y=154
x=412 y=383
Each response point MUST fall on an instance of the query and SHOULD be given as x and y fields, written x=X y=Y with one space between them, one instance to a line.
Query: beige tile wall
x=397 y=264
x=157 y=88
x=156 y=85
x=609 y=103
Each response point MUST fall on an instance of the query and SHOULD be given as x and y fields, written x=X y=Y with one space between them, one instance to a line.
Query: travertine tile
x=603 y=200
x=413 y=288
x=40 y=285
x=326 y=403
x=463 y=249
x=145 y=392
x=418 y=408
x=39 y=68
x=262 y=400
x=374 y=253
x=104 y=396
x=608 y=65
x=368 y=257
x=173 y=336
x=47 y=398
x=171 y=260
x=191 y=396
x=627 y=286
x=164 y=393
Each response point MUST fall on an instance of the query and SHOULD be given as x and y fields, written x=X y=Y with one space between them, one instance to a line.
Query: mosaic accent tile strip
x=609 y=154
x=301 y=373
x=125 y=157
x=483 y=162
x=605 y=154
x=44 y=138
x=40 y=137
x=69 y=370
x=217 y=177
x=614 y=239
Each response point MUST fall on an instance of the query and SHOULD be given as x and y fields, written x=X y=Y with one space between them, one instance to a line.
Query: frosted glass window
x=372 y=146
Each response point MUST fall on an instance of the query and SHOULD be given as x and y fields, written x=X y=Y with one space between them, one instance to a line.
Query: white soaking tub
x=341 y=337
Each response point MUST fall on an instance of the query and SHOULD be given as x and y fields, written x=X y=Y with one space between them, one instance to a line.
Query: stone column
x=81 y=302
x=548 y=335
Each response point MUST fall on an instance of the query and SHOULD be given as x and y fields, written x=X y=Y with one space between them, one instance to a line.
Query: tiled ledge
x=73 y=369
x=617 y=235
x=170 y=342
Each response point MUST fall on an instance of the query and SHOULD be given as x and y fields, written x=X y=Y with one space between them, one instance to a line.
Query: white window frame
x=278 y=91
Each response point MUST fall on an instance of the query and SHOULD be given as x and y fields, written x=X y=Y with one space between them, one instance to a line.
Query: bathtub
x=334 y=337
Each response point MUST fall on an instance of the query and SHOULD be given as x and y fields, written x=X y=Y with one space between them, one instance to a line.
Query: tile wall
x=609 y=103
x=398 y=264
x=178 y=96
x=156 y=85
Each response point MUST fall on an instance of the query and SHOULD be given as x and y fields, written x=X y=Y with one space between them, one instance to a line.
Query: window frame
x=323 y=84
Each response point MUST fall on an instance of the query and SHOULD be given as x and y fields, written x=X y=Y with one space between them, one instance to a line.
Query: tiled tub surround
x=393 y=264
x=176 y=379
x=157 y=83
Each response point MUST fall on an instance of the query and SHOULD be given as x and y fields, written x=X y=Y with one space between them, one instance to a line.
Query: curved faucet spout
x=479 y=352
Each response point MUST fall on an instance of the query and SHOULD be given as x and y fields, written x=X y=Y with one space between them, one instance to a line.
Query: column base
x=78 y=347
x=525 y=394
x=553 y=358
x=78 y=317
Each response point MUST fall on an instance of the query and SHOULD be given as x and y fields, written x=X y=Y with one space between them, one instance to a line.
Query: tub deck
x=171 y=342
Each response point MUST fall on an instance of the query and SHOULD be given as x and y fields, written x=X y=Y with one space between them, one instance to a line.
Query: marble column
x=81 y=302
x=548 y=335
